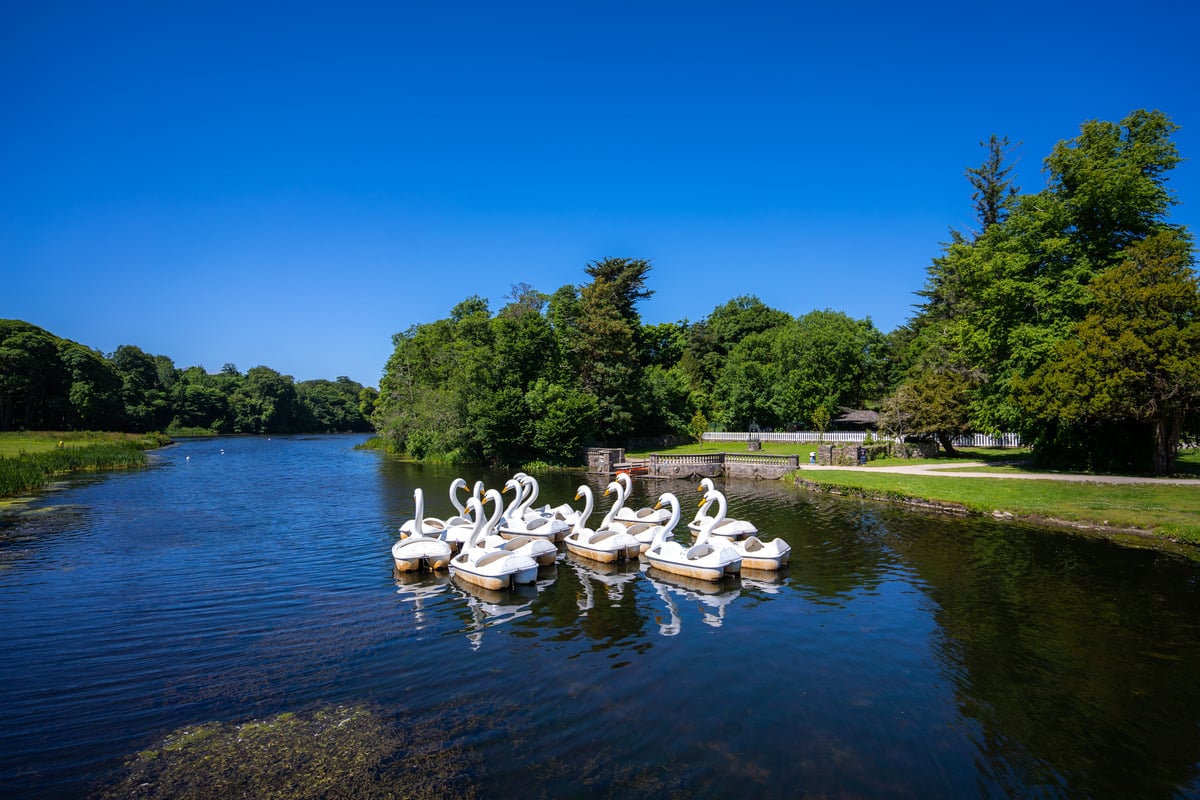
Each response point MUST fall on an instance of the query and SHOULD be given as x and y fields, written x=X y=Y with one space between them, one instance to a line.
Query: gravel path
x=952 y=471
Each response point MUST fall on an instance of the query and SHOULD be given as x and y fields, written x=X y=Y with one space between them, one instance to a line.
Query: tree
x=623 y=281
x=563 y=419
x=710 y=341
x=95 y=388
x=323 y=405
x=1111 y=181
x=993 y=189
x=31 y=375
x=999 y=305
x=1116 y=393
x=698 y=426
x=605 y=354
x=147 y=404
x=264 y=402
x=934 y=404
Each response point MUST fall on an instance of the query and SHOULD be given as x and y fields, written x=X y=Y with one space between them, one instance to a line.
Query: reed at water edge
x=25 y=472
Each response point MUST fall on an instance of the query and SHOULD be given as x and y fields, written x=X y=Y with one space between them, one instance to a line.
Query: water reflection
x=1076 y=658
x=488 y=607
x=900 y=655
x=613 y=578
x=419 y=589
x=710 y=597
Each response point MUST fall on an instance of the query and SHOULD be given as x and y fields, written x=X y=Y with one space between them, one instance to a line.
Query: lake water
x=900 y=655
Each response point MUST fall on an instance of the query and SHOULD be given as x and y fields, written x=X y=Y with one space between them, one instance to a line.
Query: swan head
x=706 y=485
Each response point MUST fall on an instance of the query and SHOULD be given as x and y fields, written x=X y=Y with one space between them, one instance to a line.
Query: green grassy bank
x=1170 y=512
x=29 y=461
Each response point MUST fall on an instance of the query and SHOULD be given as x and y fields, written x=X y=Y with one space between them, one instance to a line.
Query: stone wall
x=757 y=472
x=601 y=460
x=834 y=455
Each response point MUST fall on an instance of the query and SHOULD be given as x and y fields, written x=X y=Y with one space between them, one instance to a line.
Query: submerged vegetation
x=336 y=752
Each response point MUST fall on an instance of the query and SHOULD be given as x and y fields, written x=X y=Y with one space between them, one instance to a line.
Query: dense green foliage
x=50 y=383
x=549 y=374
x=1071 y=316
x=1082 y=286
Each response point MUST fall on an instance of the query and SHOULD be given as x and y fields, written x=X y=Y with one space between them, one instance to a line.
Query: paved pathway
x=952 y=471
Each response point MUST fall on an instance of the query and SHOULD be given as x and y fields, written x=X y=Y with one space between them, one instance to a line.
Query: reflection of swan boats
x=711 y=597
x=612 y=576
x=769 y=581
x=490 y=607
x=416 y=588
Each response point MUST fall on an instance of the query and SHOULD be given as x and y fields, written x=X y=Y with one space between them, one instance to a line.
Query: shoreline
x=1122 y=534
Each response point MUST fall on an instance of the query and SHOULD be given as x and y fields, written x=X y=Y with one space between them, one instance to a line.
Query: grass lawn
x=28 y=461
x=13 y=444
x=1165 y=510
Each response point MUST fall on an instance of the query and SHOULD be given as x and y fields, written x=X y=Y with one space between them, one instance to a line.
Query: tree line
x=51 y=383
x=1070 y=316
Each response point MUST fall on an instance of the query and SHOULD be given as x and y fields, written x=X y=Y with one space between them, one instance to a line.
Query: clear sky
x=289 y=184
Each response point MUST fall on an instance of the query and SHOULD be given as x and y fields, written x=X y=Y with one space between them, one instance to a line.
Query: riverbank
x=1001 y=483
x=1165 y=509
x=31 y=460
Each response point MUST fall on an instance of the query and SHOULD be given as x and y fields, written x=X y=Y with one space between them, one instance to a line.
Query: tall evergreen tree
x=993 y=189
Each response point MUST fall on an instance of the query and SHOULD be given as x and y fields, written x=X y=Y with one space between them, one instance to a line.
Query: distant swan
x=653 y=515
x=516 y=523
x=542 y=551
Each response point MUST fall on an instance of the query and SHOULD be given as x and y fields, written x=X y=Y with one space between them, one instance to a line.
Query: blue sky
x=291 y=184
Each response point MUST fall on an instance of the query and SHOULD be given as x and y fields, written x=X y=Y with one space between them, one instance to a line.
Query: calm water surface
x=901 y=655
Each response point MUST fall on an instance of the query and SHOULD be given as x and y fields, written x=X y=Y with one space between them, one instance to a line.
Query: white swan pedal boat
x=702 y=560
x=490 y=568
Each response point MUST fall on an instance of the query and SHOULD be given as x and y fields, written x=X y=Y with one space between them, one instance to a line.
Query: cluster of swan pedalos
x=503 y=546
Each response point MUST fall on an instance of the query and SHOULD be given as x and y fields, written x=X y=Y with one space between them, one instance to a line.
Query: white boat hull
x=699 y=572
x=605 y=551
x=415 y=553
x=497 y=570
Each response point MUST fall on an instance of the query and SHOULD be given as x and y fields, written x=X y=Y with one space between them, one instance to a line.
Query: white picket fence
x=842 y=437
